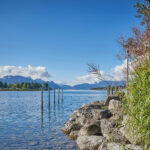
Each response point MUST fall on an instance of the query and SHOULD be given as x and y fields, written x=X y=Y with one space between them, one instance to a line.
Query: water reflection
x=49 y=98
x=61 y=95
x=54 y=110
x=41 y=108
x=41 y=118
x=49 y=117
x=58 y=95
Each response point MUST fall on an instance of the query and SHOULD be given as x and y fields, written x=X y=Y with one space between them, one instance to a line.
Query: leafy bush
x=137 y=102
x=120 y=94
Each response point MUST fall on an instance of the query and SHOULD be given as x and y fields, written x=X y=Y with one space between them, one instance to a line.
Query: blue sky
x=64 y=35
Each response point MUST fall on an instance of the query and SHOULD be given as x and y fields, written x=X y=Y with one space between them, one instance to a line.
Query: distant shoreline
x=98 y=89
x=21 y=90
x=47 y=90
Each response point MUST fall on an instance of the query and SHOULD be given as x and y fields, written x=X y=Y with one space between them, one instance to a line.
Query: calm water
x=22 y=125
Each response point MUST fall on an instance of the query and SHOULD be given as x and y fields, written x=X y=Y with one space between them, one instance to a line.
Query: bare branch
x=94 y=69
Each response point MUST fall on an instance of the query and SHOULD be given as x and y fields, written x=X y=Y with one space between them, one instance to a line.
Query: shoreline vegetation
x=116 y=88
x=24 y=86
x=21 y=90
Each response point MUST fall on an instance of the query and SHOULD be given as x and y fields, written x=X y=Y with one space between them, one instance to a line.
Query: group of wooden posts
x=112 y=90
x=49 y=100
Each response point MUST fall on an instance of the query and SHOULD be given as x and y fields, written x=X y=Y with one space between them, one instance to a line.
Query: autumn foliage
x=137 y=101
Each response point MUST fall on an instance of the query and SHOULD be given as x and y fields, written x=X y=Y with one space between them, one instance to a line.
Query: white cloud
x=89 y=78
x=37 y=72
x=115 y=74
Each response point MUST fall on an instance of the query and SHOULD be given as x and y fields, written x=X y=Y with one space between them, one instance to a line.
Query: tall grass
x=137 y=102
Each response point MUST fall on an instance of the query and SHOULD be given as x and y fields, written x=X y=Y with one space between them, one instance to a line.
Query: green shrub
x=137 y=102
x=120 y=94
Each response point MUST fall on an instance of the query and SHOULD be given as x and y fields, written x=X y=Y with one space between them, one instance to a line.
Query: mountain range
x=85 y=86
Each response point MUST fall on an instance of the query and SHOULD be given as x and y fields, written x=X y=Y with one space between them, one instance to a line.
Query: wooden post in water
x=48 y=97
x=41 y=107
x=58 y=95
x=54 y=95
x=116 y=89
x=112 y=90
x=108 y=91
x=41 y=99
x=62 y=95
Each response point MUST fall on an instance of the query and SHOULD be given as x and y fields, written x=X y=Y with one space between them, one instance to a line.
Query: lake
x=23 y=126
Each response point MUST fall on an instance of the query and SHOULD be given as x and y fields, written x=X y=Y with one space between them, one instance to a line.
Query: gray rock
x=103 y=146
x=83 y=132
x=89 y=142
x=87 y=113
x=109 y=98
x=133 y=147
x=67 y=128
x=100 y=114
x=71 y=126
x=73 y=115
x=110 y=131
x=115 y=108
x=124 y=120
x=90 y=128
x=101 y=103
x=107 y=127
x=115 y=146
x=128 y=132
x=114 y=105
x=74 y=134
x=118 y=146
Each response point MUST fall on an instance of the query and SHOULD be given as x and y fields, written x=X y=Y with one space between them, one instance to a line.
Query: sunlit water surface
x=22 y=125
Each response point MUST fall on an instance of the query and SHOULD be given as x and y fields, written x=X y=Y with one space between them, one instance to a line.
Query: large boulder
x=101 y=103
x=128 y=132
x=89 y=142
x=114 y=105
x=115 y=108
x=90 y=128
x=109 y=98
x=89 y=112
x=73 y=135
x=99 y=114
x=118 y=146
x=71 y=126
x=110 y=131
x=103 y=146
x=115 y=146
x=134 y=147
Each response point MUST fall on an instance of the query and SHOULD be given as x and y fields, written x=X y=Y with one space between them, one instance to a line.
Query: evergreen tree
x=5 y=85
x=10 y=85
x=24 y=86
x=45 y=85
x=1 y=84
x=16 y=85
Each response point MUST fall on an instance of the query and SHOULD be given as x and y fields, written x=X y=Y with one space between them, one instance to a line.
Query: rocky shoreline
x=101 y=125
